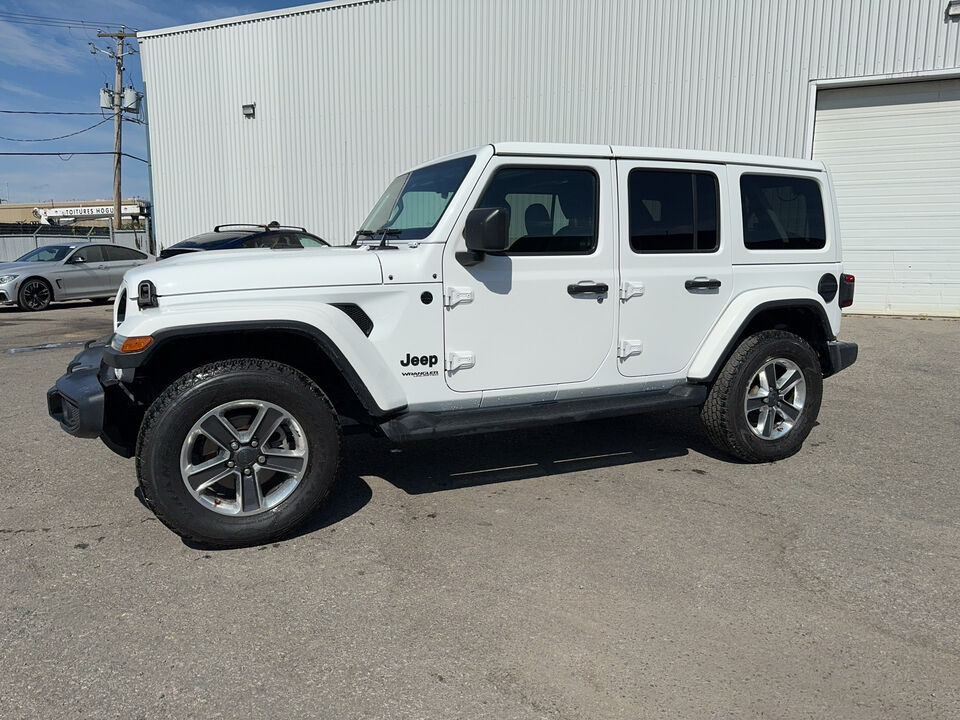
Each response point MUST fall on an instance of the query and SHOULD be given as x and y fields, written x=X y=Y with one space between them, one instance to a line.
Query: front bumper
x=88 y=401
x=8 y=292
x=77 y=400
x=842 y=355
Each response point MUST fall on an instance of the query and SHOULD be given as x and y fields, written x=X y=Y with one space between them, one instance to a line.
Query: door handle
x=702 y=283
x=588 y=288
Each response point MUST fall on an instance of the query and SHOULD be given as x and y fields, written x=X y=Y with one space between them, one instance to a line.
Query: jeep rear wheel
x=238 y=452
x=765 y=400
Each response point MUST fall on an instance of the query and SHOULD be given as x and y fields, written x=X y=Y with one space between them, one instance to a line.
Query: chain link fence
x=16 y=245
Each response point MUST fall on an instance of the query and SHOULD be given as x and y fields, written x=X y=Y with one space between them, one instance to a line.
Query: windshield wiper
x=382 y=233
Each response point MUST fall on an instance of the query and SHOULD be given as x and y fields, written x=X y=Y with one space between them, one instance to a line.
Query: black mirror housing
x=486 y=229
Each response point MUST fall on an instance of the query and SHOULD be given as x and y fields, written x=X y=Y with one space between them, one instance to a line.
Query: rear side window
x=121 y=253
x=782 y=213
x=553 y=211
x=673 y=211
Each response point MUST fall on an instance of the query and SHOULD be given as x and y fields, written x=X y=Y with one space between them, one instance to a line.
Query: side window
x=265 y=240
x=553 y=211
x=308 y=241
x=115 y=253
x=288 y=240
x=782 y=213
x=93 y=254
x=673 y=211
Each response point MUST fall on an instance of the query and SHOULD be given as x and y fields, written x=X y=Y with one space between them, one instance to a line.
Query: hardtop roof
x=647 y=153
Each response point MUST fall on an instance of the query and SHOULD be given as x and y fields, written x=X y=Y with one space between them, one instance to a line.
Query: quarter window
x=673 y=211
x=782 y=213
x=553 y=211
x=116 y=253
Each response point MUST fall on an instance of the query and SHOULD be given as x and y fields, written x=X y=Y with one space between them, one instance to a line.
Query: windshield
x=413 y=204
x=49 y=253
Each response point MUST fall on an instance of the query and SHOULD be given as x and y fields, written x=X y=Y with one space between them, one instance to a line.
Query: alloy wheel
x=774 y=400
x=244 y=457
x=35 y=294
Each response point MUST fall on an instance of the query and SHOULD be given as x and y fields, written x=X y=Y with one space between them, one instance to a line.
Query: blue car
x=231 y=237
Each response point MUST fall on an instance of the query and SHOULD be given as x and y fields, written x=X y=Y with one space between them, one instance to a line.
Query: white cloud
x=20 y=48
x=18 y=90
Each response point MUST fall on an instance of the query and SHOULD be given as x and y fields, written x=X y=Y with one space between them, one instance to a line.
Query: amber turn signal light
x=135 y=344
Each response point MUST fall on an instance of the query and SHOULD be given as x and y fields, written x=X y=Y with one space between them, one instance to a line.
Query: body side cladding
x=162 y=338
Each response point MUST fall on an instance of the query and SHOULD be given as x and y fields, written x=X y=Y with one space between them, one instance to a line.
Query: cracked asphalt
x=616 y=569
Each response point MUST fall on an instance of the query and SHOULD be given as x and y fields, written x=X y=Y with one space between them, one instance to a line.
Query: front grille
x=122 y=307
x=356 y=313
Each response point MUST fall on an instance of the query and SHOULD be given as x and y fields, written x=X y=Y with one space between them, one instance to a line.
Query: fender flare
x=728 y=329
x=369 y=378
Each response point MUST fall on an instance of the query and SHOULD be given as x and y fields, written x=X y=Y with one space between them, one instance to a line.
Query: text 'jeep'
x=510 y=285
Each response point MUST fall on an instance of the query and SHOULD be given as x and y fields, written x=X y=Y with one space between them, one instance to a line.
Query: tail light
x=846 y=289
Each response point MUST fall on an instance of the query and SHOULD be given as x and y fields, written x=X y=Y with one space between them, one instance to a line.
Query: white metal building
x=348 y=94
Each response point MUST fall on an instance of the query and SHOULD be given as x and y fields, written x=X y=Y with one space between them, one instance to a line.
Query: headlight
x=130 y=344
x=7 y=278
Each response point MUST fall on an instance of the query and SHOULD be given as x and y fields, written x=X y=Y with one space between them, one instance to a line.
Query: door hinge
x=628 y=348
x=454 y=295
x=630 y=289
x=460 y=360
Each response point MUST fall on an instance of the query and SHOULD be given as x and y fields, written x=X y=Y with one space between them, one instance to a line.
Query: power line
x=45 y=112
x=59 y=137
x=67 y=155
x=28 y=19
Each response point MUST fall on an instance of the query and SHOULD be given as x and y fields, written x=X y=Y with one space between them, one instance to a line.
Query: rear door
x=542 y=312
x=119 y=260
x=675 y=262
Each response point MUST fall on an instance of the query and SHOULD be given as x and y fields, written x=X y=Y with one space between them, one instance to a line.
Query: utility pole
x=118 y=108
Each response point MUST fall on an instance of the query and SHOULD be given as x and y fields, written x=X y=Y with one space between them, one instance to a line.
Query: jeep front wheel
x=238 y=452
x=765 y=400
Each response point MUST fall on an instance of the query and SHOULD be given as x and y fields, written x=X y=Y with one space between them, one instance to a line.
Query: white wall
x=348 y=95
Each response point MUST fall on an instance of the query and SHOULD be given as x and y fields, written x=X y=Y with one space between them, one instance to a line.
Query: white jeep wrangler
x=509 y=285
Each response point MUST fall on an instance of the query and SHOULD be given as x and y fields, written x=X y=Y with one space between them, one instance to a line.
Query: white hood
x=226 y=270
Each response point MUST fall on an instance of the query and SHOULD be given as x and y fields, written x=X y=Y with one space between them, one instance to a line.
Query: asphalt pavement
x=613 y=569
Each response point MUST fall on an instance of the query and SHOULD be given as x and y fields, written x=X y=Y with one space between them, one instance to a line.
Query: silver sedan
x=69 y=271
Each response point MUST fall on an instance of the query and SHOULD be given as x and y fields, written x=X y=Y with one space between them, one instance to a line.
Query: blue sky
x=52 y=69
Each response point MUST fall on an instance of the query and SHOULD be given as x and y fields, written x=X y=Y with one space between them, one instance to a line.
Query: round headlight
x=7 y=278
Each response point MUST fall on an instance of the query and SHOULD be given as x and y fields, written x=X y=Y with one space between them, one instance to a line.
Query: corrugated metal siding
x=349 y=95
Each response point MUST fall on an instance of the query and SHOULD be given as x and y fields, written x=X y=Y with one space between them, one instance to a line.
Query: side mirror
x=486 y=230
x=76 y=260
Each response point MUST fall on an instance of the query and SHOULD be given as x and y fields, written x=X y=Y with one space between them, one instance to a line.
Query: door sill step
x=419 y=425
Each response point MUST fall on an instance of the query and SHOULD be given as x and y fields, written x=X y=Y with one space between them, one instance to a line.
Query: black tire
x=35 y=294
x=170 y=417
x=724 y=414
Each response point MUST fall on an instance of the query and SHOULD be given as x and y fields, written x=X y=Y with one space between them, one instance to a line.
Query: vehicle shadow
x=348 y=497
x=454 y=463
x=430 y=466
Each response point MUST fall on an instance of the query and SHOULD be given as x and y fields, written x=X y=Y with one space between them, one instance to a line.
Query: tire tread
x=715 y=410
x=185 y=382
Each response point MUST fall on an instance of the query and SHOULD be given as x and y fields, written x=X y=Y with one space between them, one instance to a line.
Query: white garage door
x=894 y=151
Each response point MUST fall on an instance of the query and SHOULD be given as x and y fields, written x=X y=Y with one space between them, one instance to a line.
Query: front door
x=85 y=274
x=544 y=311
x=675 y=257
